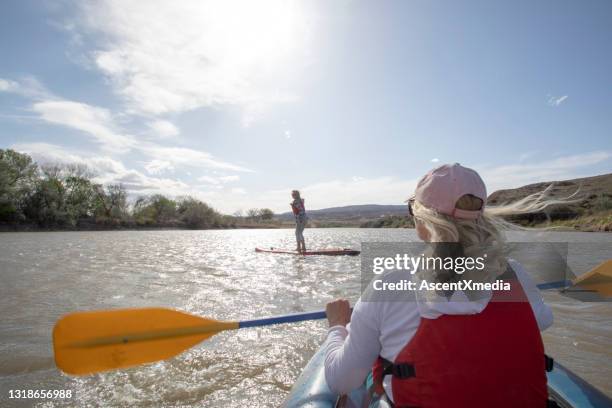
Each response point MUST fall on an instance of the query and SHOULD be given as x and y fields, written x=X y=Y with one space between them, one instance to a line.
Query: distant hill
x=588 y=190
x=351 y=212
x=592 y=211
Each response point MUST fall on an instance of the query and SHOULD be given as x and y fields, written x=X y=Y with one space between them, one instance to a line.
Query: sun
x=175 y=56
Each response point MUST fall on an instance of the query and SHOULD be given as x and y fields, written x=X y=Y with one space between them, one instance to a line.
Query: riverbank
x=598 y=222
x=134 y=227
x=588 y=223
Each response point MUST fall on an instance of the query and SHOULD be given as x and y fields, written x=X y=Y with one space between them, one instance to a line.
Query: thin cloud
x=100 y=125
x=188 y=157
x=27 y=87
x=47 y=153
x=164 y=129
x=8 y=86
x=526 y=155
x=158 y=167
x=557 y=100
x=228 y=179
x=96 y=122
x=136 y=182
x=209 y=180
x=218 y=180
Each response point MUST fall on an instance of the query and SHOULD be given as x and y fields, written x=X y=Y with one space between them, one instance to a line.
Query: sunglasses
x=410 y=204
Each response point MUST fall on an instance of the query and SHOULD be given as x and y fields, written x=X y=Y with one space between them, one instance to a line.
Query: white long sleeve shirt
x=385 y=327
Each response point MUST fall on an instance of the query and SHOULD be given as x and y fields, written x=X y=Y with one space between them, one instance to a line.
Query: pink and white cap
x=441 y=188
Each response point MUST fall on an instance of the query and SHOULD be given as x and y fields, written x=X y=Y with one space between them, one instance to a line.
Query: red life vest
x=296 y=208
x=491 y=359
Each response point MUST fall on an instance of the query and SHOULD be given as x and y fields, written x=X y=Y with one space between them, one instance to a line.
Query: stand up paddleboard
x=328 y=251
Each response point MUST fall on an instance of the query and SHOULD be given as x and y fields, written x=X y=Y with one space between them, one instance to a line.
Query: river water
x=218 y=274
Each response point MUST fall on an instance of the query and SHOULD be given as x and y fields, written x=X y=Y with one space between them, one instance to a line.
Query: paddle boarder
x=460 y=350
x=299 y=211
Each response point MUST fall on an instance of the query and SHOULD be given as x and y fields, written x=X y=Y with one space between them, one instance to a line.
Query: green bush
x=603 y=202
x=66 y=196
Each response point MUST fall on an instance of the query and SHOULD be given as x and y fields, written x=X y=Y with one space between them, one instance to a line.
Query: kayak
x=328 y=251
x=564 y=387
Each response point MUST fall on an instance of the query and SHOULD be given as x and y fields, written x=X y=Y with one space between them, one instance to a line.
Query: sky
x=239 y=102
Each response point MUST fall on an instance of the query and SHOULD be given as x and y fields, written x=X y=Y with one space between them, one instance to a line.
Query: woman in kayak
x=297 y=206
x=463 y=350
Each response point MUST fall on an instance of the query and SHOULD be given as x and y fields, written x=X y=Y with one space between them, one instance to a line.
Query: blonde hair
x=484 y=234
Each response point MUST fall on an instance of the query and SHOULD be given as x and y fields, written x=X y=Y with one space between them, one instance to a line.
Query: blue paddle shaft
x=292 y=318
x=300 y=317
x=555 y=285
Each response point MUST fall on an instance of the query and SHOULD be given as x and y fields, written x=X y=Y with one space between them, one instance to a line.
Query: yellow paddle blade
x=89 y=342
x=599 y=279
